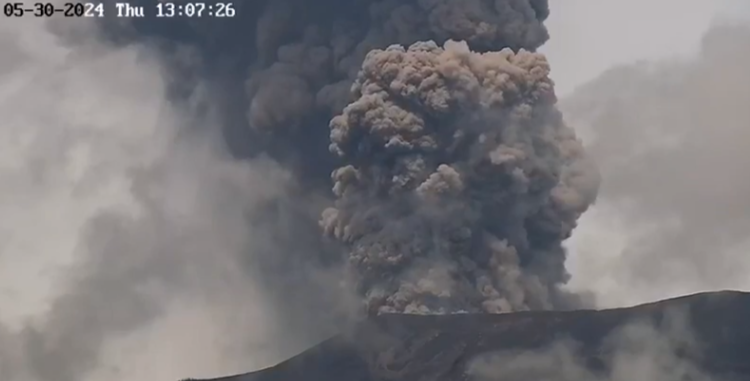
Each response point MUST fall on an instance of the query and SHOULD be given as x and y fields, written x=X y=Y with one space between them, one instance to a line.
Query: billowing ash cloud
x=455 y=180
x=461 y=181
x=321 y=56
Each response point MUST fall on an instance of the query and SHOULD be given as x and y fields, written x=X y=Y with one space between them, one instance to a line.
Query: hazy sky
x=608 y=256
x=586 y=39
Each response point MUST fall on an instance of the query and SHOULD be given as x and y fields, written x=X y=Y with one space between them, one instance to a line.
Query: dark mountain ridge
x=709 y=331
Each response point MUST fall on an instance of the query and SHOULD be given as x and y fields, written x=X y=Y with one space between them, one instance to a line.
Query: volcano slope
x=698 y=337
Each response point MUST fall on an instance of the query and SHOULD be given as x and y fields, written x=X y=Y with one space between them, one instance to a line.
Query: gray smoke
x=315 y=68
x=455 y=178
x=457 y=164
x=459 y=180
x=462 y=183
x=130 y=243
x=640 y=350
x=671 y=141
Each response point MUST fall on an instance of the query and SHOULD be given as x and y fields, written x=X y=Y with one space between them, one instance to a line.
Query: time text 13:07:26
x=191 y=9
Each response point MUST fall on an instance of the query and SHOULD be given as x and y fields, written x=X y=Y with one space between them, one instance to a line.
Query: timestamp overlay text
x=161 y=9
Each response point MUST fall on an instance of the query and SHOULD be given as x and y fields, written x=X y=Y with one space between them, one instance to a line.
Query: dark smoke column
x=459 y=179
x=462 y=180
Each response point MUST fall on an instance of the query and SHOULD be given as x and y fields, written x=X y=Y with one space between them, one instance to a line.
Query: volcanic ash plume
x=458 y=180
x=461 y=181
x=313 y=69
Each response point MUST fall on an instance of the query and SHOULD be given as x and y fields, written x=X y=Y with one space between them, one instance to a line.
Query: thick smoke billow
x=483 y=128
x=315 y=69
x=307 y=57
x=462 y=180
x=462 y=183
x=128 y=231
x=671 y=141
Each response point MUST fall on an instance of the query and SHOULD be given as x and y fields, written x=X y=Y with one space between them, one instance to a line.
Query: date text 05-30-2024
x=48 y=9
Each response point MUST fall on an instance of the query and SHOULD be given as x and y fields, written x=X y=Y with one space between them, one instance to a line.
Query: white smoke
x=639 y=350
x=121 y=238
x=670 y=138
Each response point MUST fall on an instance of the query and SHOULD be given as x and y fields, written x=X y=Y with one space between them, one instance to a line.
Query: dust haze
x=641 y=350
x=130 y=238
x=670 y=138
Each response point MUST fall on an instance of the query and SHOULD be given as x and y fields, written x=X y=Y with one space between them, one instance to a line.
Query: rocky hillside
x=698 y=337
